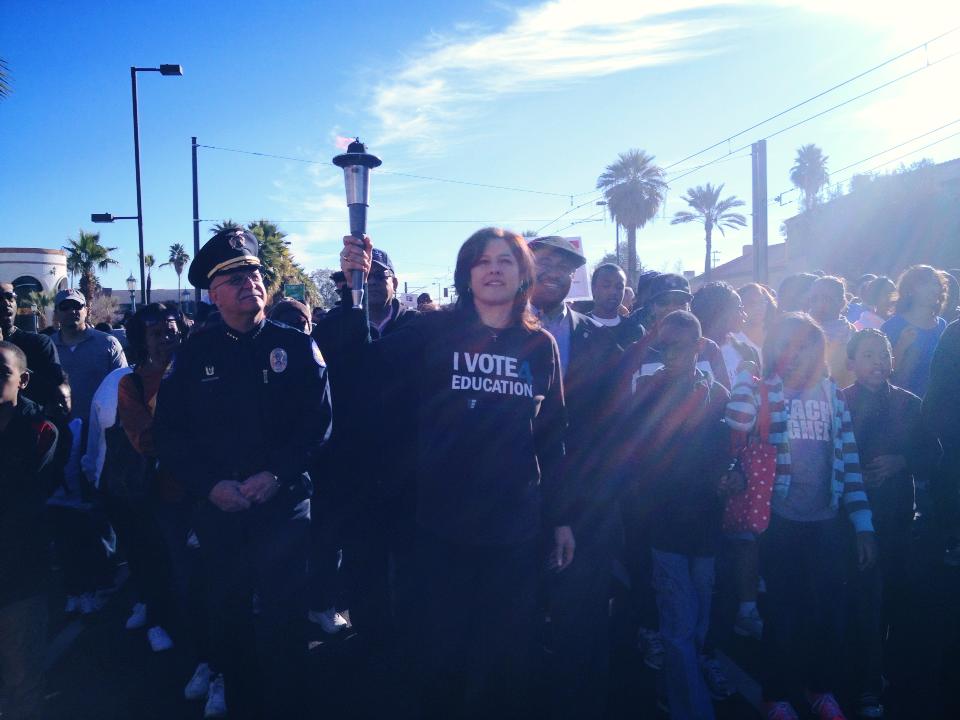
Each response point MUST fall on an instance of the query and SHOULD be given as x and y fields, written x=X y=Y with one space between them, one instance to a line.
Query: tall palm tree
x=148 y=262
x=228 y=224
x=178 y=259
x=4 y=79
x=634 y=189
x=713 y=212
x=85 y=256
x=809 y=173
x=43 y=301
x=274 y=253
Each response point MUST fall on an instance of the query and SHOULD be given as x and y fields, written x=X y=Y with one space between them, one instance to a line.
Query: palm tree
x=809 y=173
x=43 y=301
x=148 y=262
x=178 y=259
x=634 y=189
x=273 y=253
x=4 y=79
x=85 y=255
x=713 y=212
x=228 y=224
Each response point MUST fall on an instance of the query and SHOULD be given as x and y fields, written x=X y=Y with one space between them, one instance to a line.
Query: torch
x=356 y=163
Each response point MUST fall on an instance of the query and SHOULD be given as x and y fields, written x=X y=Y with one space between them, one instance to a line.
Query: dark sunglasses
x=8 y=296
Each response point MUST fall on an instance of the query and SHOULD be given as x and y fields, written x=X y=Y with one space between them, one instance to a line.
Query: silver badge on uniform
x=278 y=360
x=209 y=370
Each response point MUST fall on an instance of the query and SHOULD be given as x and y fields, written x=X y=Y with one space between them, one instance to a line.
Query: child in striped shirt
x=803 y=552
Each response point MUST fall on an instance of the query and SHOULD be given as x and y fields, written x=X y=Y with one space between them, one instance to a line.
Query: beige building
x=33 y=269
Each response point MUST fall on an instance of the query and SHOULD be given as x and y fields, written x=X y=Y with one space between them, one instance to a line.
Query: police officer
x=241 y=413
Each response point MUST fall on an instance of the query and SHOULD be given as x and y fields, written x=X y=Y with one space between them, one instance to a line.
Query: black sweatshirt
x=675 y=446
x=27 y=446
x=888 y=422
x=489 y=414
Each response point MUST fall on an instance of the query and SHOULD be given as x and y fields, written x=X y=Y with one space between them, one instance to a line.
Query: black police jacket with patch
x=489 y=414
x=234 y=405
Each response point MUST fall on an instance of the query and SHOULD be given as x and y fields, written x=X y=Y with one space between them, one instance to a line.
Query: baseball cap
x=382 y=259
x=558 y=243
x=70 y=294
x=668 y=283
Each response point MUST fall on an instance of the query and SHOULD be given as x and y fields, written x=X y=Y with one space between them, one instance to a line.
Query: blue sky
x=539 y=96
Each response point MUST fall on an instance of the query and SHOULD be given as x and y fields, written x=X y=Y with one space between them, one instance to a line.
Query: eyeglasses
x=237 y=279
x=8 y=296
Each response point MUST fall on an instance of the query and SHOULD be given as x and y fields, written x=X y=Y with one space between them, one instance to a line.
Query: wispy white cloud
x=542 y=47
x=547 y=46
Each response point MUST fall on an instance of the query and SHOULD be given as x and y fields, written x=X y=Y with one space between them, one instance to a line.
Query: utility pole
x=715 y=254
x=759 y=162
x=196 y=216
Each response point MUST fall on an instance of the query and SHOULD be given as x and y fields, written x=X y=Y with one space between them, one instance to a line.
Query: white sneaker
x=158 y=638
x=329 y=620
x=73 y=604
x=138 y=617
x=90 y=603
x=199 y=684
x=216 y=699
x=651 y=645
x=749 y=625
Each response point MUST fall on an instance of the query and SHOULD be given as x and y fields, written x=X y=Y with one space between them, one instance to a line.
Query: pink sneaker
x=825 y=706
x=780 y=711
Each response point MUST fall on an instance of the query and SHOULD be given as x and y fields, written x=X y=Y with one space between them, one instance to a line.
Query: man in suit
x=578 y=597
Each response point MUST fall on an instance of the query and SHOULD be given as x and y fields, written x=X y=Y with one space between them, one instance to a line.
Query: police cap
x=225 y=252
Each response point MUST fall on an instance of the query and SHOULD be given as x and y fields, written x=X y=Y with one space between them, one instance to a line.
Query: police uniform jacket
x=232 y=405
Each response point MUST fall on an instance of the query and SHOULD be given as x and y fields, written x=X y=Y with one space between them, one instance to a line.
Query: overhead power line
x=893 y=160
x=389 y=220
x=399 y=174
x=819 y=114
x=921 y=46
x=885 y=151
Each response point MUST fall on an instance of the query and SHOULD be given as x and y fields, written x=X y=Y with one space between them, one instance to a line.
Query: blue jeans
x=683 y=586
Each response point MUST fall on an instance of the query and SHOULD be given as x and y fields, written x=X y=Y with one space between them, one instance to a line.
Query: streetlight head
x=171 y=70
x=101 y=218
x=131 y=283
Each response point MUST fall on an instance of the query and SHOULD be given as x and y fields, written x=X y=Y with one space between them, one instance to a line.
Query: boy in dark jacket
x=677 y=451
x=27 y=445
x=893 y=446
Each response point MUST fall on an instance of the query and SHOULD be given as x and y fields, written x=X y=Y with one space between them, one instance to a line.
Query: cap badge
x=209 y=370
x=236 y=240
x=278 y=360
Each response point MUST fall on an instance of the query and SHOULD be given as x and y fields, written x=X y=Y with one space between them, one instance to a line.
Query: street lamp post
x=163 y=70
x=132 y=287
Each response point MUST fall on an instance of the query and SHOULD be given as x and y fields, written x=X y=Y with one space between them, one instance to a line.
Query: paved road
x=101 y=671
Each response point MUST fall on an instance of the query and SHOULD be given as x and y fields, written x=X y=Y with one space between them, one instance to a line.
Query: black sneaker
x=951 y=556
x=870 y=706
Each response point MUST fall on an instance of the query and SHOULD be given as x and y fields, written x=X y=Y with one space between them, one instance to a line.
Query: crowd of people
x=476 y=490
